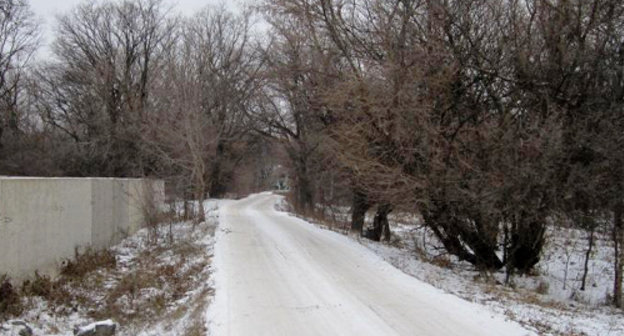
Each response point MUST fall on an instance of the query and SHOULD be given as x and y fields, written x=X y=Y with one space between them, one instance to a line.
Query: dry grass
x=442 y=261
x=40 y=285
x=145 y=293
x=542 y=287
x=137 y=292
x=198 y=327
x=10 y=302
x=86 y=262
x=502 y=293
x=13 y=301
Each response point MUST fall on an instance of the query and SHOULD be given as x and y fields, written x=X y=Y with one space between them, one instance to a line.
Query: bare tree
x=289 y=108
x=204 y=90
x=573 y=70
x=422 y=93
x=97 y=90
x=226 y=65
x=19 y=37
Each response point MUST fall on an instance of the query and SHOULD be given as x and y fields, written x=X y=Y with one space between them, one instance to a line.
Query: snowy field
x=549 y=302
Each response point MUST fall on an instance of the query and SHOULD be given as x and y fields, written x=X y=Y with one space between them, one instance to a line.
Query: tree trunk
x=358 y=211
x=304 y=194
x=201 y=212
x=387 y=234
x=508 y=268
x=618 y=240
x=13 y=123
x=217 y=183
x=187 y=210
x=459 y=239
x=527 y=240
x=381 y=227
x=588 y=255
x=200 y=193
x=436 y=219
x=483 y=249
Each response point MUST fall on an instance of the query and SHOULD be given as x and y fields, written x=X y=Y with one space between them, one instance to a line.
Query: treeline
x=129 y=89
x=491 y=119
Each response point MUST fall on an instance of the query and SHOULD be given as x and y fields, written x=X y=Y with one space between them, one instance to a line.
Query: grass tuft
x=10 y=301
x=87 y=262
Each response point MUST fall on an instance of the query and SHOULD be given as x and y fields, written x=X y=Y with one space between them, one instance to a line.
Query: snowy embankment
x=156 y=282
x=278 y=275
x=548 y=302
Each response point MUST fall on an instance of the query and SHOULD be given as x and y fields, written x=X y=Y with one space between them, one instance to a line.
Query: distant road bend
x=278 y=275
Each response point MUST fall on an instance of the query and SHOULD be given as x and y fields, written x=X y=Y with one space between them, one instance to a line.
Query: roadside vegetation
x=491 y=122
x=549 y=300
x=156 y=282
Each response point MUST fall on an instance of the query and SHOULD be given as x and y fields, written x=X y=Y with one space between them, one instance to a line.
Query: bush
x=442 y=261
x=41 y=285
x=87 y=262
x=542 y=287
x=10 y=302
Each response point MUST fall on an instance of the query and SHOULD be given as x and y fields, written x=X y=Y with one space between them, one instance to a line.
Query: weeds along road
x=278 y=275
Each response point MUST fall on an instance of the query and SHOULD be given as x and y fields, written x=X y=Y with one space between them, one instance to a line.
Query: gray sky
x=46 y=11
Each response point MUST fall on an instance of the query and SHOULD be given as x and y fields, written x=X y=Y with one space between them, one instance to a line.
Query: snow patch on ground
x=538 y=302
x=155 y=305
x=522 y=304
x=219 y=303
x=276 y=274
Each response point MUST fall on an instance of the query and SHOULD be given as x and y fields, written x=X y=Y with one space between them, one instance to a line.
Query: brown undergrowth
x=138 y=283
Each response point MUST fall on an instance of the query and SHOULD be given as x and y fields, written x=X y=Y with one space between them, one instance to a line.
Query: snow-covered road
x=278 y=275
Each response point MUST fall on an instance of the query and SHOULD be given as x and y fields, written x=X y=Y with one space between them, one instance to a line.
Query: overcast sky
x=46 y=11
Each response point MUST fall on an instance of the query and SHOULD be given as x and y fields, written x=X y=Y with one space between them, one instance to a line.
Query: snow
x=176 y=316
x=550 y=311
x=94 y=325
x=516 y=304
x=276 y=274
x=273 y=273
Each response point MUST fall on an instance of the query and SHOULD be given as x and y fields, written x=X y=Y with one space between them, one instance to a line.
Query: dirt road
x=278 y=275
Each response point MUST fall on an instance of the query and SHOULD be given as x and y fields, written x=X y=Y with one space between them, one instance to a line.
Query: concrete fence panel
x=44 y=220
x=104 y=214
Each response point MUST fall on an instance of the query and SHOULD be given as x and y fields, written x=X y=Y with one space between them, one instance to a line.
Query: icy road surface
x=278 y=275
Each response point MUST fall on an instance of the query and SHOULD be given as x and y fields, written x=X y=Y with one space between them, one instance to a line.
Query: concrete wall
x=43 y=220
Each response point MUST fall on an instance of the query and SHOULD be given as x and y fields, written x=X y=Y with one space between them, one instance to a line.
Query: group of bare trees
x=489 y=118
x=19 y=38
x=127 y=88
x=98 y=89
x=208 y=81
